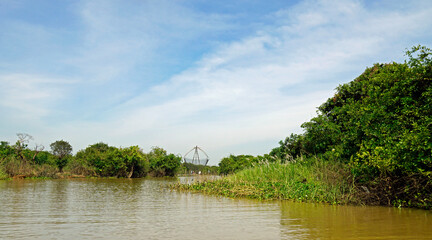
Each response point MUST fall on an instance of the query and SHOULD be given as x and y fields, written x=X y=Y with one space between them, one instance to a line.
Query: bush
x=163 y=164
x=106 y=161
x=233 y=164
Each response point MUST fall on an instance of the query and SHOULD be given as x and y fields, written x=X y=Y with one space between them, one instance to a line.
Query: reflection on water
x=147 y=209
x=318 y=221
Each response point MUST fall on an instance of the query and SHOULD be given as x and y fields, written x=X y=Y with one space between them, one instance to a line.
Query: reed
x=310 y=180
x=3 y=175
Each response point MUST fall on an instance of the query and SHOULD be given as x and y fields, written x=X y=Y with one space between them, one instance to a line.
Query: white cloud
x=256 y=89
x=30 y=96
x=119 y=36
x=233 y=96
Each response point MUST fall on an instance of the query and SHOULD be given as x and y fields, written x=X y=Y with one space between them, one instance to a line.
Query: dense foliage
x=63 y=151
x=163 y=164
x=106 y=161
x=380 y=124
x=102 y=160
x=20 y=160
x=98 y=160
x=235 y=163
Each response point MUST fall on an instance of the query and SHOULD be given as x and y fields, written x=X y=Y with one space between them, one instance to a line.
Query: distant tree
x=22 y=144
x=23 y=139
x=134 y=161
x=5 y=149
x=38 y=148
x=62 y=150
x=98 y=158
x=163 y=164
x=45 y=157
x=235 y=163
x=108 y=161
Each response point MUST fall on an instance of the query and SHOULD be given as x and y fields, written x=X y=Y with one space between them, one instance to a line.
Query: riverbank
x=314 y=180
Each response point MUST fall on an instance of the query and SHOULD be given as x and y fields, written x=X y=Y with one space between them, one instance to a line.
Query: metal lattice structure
x=199 y=157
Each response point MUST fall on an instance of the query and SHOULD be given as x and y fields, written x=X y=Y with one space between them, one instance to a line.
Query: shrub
x=163 y=164
x=106 y=161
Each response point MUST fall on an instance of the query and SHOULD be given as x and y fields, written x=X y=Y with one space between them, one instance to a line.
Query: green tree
x=97 y=158
x=21 y=146
x=62 y=150
x=44 y=157
x=134 y=162
x=163 y=164
x=5 y=149
x=109 y=161
x=235 y=163
x=380 y=124
x=289 y=149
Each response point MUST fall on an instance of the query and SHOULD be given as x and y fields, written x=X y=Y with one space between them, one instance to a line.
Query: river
x=147 y=209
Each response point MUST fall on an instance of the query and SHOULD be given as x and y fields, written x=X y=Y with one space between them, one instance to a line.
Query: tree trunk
x=131 y=172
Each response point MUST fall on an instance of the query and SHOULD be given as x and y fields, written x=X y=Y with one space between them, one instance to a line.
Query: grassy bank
x=308 y=180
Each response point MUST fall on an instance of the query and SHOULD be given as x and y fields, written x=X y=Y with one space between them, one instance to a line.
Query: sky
x=233 y=77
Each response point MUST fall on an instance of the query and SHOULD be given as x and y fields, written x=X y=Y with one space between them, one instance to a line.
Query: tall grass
x=308 y=180
x=12 y=167
x=3 y=175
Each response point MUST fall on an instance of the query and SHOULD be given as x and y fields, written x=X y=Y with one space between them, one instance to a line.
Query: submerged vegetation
x=370 y=143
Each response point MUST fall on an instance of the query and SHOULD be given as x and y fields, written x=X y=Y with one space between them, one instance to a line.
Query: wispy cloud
x=33 y=96
x=119 y=37
x=162 y=73
x=236 y=94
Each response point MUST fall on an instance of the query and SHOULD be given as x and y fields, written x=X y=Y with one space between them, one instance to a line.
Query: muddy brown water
x=147 y=209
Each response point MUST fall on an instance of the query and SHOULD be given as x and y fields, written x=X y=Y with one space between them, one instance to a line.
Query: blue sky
x=233 y=77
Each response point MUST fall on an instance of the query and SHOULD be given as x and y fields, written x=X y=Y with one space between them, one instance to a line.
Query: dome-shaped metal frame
x=196 y=158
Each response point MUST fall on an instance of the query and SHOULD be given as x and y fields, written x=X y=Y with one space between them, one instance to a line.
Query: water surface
x=147 y=209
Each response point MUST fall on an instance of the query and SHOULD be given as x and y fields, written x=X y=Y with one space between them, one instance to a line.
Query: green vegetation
x=234 y=163
x=97 y=160
x=377 y=128
x=19 y=161
x=163 y=164
x=62 y=150
x=3 y=174
x=102 y=160
x=308 y=180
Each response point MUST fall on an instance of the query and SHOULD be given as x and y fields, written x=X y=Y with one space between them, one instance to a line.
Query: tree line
x=98 y=160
